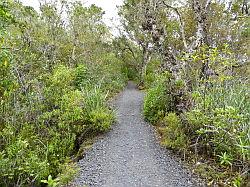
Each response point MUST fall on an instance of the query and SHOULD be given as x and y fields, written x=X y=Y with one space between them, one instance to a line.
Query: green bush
x=173 y=132
x=68 y=173
x=94 y=98
x=24 y=157
x=149 y=79
x=68 y=110
x=114 y=78
x=131 y=73
x=221 y=119
x=98 y=117
x=151 y=73
x=101 y=119
x=83 y=76
x=156 y=102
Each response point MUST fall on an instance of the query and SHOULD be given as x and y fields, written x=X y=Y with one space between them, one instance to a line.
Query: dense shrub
x=107 y=77
x=53 y=90
x=173 y=132
x=221 y=120
x=156 y=101
x=151 y=73
x=40 y=149
x=83 y=76
x=101 y=119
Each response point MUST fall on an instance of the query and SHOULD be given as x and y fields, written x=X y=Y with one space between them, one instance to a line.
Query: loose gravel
x=130 y=155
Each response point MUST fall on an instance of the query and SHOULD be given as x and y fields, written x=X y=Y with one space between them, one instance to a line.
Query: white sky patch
x=111 y=17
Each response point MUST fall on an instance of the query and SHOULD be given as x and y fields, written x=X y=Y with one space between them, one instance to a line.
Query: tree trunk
x=201 y=12
x=144 y=63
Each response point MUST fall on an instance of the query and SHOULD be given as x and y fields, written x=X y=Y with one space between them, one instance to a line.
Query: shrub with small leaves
x=173 y=132
x=101 y=119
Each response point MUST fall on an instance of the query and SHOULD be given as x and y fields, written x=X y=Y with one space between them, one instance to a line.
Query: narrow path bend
x=129 y=155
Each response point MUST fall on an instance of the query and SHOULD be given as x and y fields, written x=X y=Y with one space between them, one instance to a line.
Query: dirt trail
x=130 y=155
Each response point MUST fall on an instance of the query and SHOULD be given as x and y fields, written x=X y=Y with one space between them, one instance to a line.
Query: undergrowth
x=53 y=89
x=213 y=134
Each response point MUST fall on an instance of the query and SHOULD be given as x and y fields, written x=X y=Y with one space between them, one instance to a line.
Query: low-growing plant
x=51 y=182
x=68 y=172
x=237 y=182
x=173 y=134
x=225 y=159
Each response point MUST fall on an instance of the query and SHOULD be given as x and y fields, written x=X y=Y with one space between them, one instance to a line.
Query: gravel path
x=130 y=155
